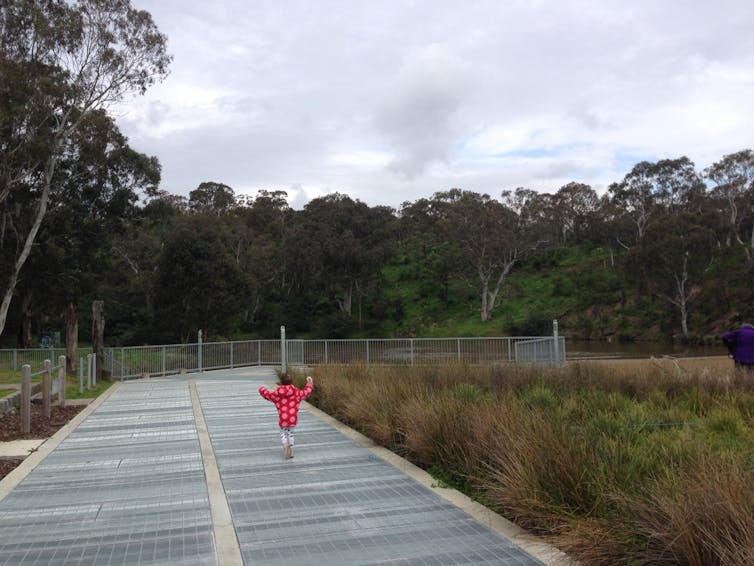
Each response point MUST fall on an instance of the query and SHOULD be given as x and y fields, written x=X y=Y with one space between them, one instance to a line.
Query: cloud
x=419 y=106
x=360 y=159
x=392 y=101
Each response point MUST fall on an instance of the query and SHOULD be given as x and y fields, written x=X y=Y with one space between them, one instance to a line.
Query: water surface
x=590 y=349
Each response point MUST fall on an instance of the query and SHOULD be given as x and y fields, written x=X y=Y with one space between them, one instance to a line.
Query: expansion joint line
x=226 y=541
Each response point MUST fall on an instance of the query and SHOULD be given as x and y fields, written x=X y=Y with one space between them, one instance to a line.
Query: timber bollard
x=46 y=389
x=62 y=378
x=25 y=399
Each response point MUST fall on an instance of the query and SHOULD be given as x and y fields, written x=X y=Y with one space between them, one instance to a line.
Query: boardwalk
x=188 y=470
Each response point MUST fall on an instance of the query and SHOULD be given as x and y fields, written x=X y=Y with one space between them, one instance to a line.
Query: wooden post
x=98 y=336
x=25 y=399
x=46 y=392
x=71 y=339
x=62 y=377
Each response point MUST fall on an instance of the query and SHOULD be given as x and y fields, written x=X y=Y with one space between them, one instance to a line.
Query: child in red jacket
x=287 y=398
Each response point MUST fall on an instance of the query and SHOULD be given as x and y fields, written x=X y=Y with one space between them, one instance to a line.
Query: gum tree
x=490 y=236
x=733 y=177
x=673 y=258
x=60 y=62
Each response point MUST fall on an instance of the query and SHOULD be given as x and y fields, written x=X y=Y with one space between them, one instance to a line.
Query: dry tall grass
x=618 y=462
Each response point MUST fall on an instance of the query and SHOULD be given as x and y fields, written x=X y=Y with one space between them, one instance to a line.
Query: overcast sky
x=391 y=101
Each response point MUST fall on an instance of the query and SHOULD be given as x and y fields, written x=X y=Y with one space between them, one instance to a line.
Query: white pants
x=286 y=436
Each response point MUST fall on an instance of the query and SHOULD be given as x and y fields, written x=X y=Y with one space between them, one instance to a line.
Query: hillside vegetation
x=666 y=253
x=590 y=292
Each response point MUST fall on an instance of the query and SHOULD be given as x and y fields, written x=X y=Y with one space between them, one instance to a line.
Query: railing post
x=259 y=352
x=556 y=346
x=62 y=377
x=199 y=355
x=15 y=359
x=164 y=361
x=458 y=348
x=46 y=388
x=81 y=375
x=367 y=342
x=25 y=399
x=231 y=355
x=325 y=352
x=89 y=371
x=283 y=358
x=95 y=363
x=411 y=342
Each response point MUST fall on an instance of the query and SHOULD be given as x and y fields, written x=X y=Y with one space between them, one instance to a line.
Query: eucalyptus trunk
x=28 y=242
x=71 y=339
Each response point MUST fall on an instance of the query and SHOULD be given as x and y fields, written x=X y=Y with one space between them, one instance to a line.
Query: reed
x=616 y=463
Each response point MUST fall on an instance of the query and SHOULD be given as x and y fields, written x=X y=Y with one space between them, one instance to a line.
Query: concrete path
x=188 y=470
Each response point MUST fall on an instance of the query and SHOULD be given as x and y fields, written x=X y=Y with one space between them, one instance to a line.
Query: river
x=591 y=349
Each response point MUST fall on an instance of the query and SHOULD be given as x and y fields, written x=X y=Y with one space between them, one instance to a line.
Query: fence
x=404 y=350
x=131 y=362
x=184 y=358
x=550 y=350
x=138 y=361
x=13 y=359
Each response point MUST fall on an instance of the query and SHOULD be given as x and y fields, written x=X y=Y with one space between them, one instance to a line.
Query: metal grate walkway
x=128 y=487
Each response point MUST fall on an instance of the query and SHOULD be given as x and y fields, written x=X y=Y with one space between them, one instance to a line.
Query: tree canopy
x=62 y=64
x=232 y=265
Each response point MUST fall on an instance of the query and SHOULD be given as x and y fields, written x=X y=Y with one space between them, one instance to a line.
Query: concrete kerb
x=226 y=541
x=19 y=449
x=530 y=543
x=34 y=459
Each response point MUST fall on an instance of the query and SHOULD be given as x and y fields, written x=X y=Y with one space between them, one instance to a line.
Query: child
x=287 y=398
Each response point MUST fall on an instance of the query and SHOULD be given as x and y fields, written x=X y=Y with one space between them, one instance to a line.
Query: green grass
x=14 y=377
x=72 y=389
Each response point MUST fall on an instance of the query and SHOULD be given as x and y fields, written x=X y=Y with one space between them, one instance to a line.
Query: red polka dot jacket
x=287 y=398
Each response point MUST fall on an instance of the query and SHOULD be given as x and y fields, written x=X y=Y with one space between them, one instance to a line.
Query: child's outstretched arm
x=307 y=390
x=267 y=394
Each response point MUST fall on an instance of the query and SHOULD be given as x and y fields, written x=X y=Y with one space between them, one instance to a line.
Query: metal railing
x=13 y=359
x=124 y=363
x=549 y=350
x=139 y=361
x=403 y=350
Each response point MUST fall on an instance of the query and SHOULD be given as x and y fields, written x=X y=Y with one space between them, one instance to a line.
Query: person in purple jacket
x=740 y=344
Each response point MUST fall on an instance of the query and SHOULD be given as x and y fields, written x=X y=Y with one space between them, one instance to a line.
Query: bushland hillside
x=667 y=252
